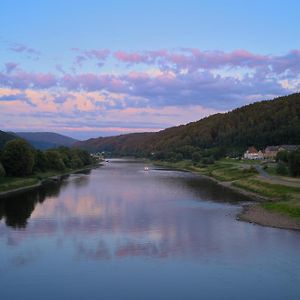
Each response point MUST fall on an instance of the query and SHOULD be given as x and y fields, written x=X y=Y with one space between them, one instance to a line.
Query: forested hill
x=5 y=137
x=271 y=122
x=46 y=140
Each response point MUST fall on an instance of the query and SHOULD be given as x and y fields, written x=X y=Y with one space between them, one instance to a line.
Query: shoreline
x=252 y=213
x=40 y=182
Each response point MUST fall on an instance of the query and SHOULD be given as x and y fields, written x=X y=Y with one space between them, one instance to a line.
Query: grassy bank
x=12 y=183
x=8 y=184
x=279 y=198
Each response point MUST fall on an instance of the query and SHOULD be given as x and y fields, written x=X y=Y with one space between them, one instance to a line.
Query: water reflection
x=119 y=213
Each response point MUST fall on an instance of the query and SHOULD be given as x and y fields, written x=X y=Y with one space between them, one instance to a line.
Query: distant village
x=269 y=152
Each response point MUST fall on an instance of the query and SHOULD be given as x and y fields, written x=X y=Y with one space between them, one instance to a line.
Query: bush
x=196 y=156
x=208 y=160
x=18 y=158
x=41 y=162
x=294 y=163
x=55 y=161
x=281 y=168
x=2 y=170
x=282 y=156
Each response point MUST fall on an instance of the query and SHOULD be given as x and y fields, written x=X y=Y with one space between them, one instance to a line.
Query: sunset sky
x=97 y=68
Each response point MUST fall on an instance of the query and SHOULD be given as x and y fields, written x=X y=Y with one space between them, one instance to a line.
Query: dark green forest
x=18 y=158
x=271 y=122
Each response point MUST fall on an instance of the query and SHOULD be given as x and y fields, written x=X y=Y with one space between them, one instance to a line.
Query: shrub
x=281 y=168
x=18 y=158
x=55 y=161
x=2 y=170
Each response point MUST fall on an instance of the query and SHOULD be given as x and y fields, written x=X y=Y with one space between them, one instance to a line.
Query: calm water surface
x=119 y=232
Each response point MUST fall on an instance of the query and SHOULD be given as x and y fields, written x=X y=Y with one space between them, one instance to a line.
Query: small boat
x=146 y=169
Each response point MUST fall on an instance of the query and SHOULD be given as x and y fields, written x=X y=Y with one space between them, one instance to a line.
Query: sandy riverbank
x=254 y=213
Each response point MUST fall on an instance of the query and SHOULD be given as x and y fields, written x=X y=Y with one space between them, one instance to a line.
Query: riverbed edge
x=261 y=216
x=42 y=181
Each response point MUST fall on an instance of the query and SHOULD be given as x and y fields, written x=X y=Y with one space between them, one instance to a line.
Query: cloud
x=100 y=55
x=10 y=66
x=16 y=97
x=21 y=48
x=156 y=89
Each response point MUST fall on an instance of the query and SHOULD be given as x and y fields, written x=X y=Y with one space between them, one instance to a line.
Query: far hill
x=271 y=122
x=5 y=137
x=46 y=140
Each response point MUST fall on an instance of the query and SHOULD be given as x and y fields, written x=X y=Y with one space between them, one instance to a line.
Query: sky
x=97 y=68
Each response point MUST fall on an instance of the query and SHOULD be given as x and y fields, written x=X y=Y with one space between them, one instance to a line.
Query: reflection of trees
x=17 y=209
x=208 y=189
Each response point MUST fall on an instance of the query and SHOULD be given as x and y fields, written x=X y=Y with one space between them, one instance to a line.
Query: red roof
x=252 y=150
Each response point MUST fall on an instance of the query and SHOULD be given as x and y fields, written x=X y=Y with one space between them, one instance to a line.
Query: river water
x=119 y=232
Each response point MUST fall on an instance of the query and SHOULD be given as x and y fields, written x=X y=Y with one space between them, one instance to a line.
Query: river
x=120 y=232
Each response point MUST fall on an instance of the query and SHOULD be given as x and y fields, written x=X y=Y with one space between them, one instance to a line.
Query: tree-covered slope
x=5 y=137
x=260 y=124
x=46 y=140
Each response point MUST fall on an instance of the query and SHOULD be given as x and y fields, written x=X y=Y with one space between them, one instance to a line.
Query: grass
x=269 y=190
x=11 y=183
x=284 y=208
x=223 y=170
x=284 y=199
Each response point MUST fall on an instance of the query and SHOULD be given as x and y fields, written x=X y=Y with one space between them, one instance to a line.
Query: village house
x=270 y=152
x=252 y=153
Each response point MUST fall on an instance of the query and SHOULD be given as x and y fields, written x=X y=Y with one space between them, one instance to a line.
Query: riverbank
x=275 y=205
x=13 y=185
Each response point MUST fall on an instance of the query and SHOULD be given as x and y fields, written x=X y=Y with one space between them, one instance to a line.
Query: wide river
x=119 y=232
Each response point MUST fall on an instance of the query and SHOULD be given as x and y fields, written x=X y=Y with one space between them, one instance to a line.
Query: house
x=271 y=152
x=288 y=148
x=252 y=153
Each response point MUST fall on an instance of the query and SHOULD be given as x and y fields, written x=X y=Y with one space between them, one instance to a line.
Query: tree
x=294 y=163
x=196 y=156
x=41 y=162
x=2 y=170
x=282 y=156
x=55 y=161
x=281 y=168
x=18 y=158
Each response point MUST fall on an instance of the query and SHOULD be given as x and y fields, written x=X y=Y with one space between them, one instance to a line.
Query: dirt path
x=276 y=179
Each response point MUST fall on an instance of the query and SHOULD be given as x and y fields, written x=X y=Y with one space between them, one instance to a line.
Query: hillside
x=46 y=140
x=5 y=137
x=270 y=122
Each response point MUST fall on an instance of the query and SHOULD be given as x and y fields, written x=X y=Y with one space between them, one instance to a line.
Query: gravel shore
x=256 y=214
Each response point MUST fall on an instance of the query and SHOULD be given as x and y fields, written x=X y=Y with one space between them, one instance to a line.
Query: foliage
x=283 y=207
x=18 y=158
x=281 y=168
x=294 y=163
x=41 y=162
x=2 y=170
x=282 y=156
x=272 y=122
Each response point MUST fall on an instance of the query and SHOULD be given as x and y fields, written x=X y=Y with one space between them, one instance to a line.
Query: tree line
x=288 y=163
x=19 y=158
x=261 y=124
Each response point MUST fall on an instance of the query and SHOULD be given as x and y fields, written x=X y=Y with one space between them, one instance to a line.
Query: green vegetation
x=17 y=158
x=260 y=124
x=2 y=171
x=284 y=199
x=11 y=183
x=22 y=166
x=5 y=137
x=284 y=208
x=269 y=190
